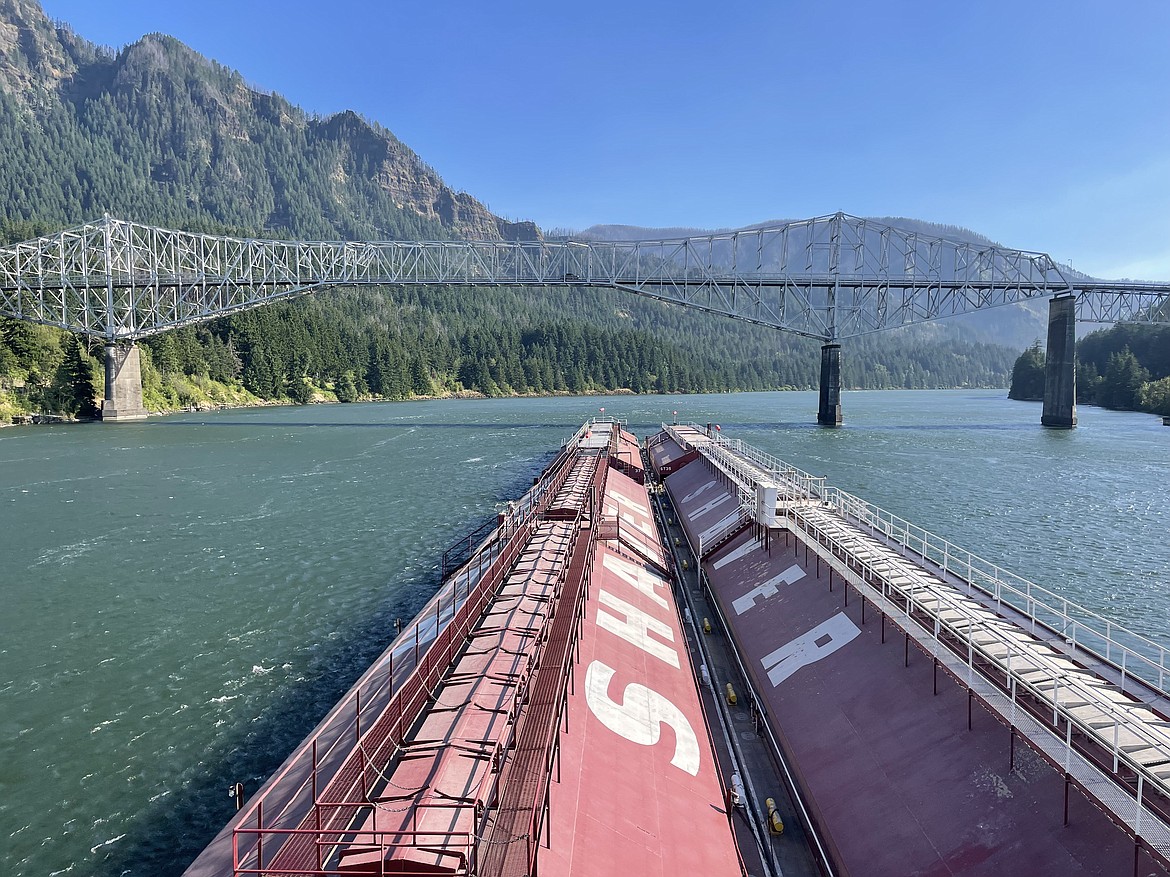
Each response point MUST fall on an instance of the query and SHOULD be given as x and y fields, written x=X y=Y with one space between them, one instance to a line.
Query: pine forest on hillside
x=158 y=134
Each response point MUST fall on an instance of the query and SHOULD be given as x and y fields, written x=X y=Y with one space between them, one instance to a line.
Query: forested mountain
x=642 y=233
x=156 y=133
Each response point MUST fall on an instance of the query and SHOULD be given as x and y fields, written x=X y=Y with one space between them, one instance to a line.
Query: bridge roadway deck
x=125 y=281
x=1112 y=743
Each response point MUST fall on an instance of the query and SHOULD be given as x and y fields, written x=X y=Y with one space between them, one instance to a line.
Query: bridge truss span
x=830 y=277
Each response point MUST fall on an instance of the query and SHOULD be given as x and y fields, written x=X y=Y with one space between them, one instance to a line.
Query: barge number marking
x=636 y=628
x=636 y=577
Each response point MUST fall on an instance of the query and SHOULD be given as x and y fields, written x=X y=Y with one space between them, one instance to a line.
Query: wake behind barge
x=559 y=708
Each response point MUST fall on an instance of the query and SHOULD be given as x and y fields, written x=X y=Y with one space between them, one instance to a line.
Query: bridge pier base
x=1060 y=375
x=123 y=398
x=829 y=413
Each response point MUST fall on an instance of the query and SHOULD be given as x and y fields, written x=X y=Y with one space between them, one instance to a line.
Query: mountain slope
x=157 y=133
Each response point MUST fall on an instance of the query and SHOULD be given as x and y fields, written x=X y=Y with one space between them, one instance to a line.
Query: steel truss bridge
x=831 y=277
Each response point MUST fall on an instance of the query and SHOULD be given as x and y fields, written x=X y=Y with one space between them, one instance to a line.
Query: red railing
x=523 y=808
x=459 y=845
x=346 y=789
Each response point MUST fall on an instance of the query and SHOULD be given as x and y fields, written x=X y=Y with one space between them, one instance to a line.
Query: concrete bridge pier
x=1060 y=375
x=123 y=398
x=829 y=413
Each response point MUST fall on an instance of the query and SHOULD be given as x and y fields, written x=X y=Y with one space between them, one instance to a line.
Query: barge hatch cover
x=639 y=792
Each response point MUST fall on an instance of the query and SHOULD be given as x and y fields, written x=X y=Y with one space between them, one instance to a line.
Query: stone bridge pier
x=829 y=412
x=1060 y=375
x=123 y=397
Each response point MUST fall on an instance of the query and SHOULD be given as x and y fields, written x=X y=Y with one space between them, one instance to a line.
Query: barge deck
x=540 y=716
x=907 y=770
x=558 y=708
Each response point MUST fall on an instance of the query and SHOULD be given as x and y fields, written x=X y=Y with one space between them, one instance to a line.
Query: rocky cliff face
x=193 y=142
x=33 y=57
x=413 y=185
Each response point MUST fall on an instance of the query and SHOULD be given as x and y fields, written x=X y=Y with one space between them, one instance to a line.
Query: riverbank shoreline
x=43 y=419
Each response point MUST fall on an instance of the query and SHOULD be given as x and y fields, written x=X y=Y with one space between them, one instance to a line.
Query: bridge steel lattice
x=831 y=277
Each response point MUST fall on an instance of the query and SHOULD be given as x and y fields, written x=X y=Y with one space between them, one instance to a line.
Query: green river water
x=182 y=599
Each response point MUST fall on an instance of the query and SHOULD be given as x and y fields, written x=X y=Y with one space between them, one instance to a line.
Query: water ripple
x=212 y=589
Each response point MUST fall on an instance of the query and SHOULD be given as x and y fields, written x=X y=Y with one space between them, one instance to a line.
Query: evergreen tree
x=300 y=390
x=81 y=375
x=1155 y=397
x=345 y=388
x=1028 y=375
x=1122 y=384
x=420 y=379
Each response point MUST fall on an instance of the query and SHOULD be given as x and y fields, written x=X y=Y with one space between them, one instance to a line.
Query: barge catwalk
x=540 y=716
x=554 y=710
x=940 y=716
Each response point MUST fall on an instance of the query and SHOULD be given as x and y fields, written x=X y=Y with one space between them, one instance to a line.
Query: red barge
x=541 y=714
x=692 y=658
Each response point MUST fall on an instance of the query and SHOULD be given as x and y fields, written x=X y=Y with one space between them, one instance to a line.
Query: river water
x=184 y=598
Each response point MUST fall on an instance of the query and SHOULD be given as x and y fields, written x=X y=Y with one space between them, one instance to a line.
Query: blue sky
x=1044 y=125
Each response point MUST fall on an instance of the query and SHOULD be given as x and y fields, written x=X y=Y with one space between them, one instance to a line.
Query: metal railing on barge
x=1037 y=691
x=537 y=746
x=918 y=579
x=1131 y=653
x=330 y=795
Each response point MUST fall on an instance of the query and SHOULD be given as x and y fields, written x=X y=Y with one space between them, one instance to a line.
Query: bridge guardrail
x=124 y=281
